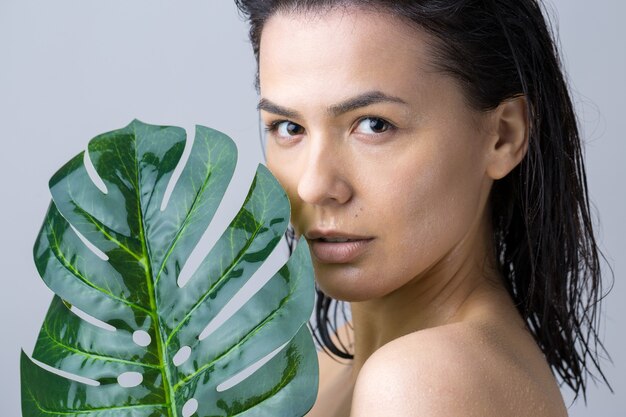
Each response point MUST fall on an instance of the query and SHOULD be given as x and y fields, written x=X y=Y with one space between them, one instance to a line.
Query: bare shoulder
x=454 y=370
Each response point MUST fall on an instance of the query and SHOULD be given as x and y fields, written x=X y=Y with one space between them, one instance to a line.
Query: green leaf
x=129 y=282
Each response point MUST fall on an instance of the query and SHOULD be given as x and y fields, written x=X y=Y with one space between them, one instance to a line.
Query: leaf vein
x=92 y=355
x=215 y=284
x=69 y=267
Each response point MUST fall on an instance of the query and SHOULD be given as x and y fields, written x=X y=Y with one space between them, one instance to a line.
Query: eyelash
x=390 y=127
x=271 y=128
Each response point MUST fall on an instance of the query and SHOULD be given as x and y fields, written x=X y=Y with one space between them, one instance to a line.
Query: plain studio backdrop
x=70 y=70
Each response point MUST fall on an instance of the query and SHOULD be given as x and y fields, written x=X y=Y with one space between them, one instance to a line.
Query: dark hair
x=543 y=237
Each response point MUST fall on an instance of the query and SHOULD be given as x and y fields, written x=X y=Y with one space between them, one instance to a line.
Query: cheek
x=432 y=203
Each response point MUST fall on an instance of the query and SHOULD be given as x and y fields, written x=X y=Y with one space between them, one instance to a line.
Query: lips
x=336 y=247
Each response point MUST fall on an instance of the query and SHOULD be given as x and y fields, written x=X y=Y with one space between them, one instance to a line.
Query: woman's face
x=373 y=146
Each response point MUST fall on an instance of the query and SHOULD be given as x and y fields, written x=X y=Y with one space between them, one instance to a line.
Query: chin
x=347 y=283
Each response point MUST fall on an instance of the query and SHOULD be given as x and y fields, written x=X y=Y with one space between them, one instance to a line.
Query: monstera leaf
x=121 y=333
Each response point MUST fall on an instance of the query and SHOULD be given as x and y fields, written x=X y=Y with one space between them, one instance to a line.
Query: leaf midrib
x=165 y=373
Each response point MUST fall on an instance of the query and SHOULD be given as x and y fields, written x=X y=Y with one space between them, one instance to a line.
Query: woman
x=432 y=159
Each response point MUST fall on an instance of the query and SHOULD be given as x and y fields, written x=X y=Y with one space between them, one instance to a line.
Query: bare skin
x=478 y=367
x=375 y=146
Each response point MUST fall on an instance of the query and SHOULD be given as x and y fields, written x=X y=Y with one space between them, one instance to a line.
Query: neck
x=461 y=285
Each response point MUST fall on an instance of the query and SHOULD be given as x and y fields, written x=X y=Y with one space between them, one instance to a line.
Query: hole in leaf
x=91 y=319
x=178 y=170
x=90 y=245
x=182 y=355
x=67 y=375
x=130 y=379
x=241 y=376
x=190 y=407
x=142 y=338
x=93 y=174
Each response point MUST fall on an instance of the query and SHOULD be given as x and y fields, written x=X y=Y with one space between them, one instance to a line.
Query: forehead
x=341 y=50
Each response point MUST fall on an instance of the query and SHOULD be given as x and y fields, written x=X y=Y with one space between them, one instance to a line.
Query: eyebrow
x=357 y=102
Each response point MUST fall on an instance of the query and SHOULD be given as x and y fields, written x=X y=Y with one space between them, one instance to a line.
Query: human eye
x=373 y=126
x=284 y=129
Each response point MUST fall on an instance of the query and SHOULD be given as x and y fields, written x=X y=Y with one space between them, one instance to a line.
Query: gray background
x=72 y=69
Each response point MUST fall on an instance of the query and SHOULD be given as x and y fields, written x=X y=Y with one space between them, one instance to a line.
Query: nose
x=323 y=178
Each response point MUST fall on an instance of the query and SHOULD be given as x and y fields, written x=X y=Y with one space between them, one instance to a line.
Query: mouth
x=336 y=239
x=335 y=247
